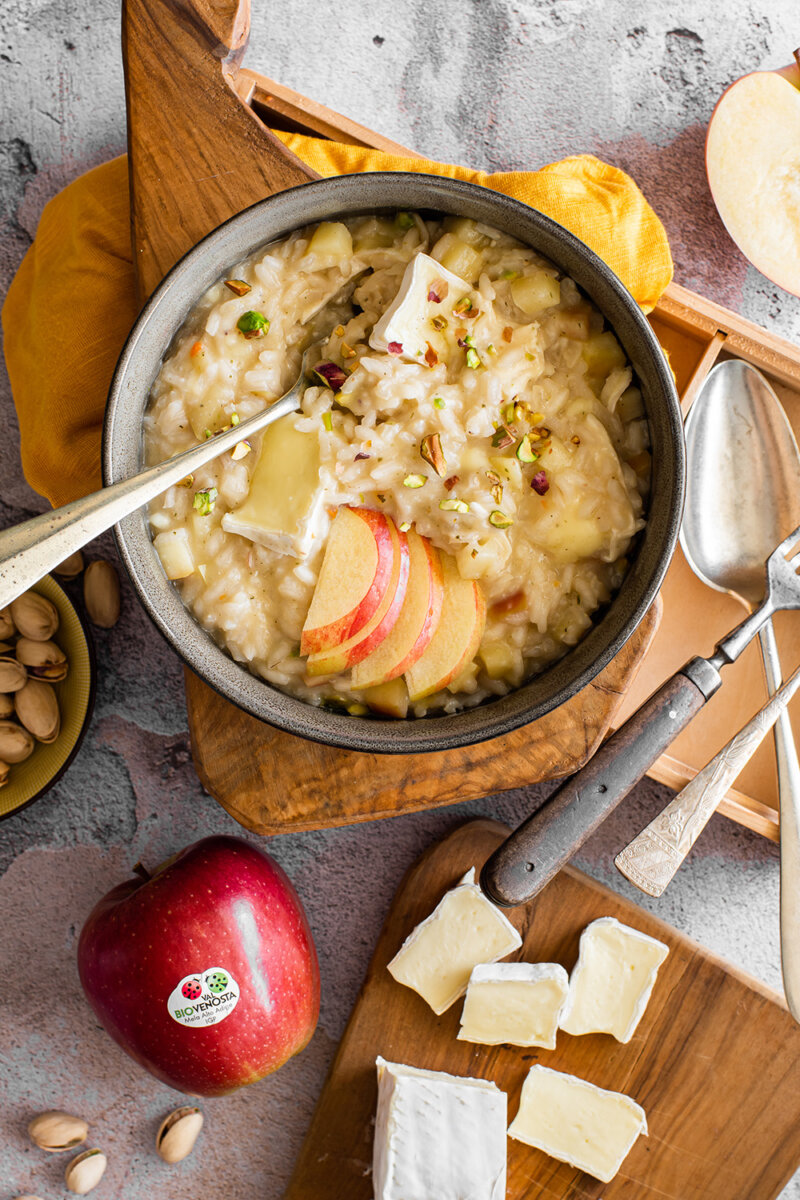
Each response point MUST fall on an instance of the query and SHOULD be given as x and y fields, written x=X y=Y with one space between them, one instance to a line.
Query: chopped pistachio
x=204 y=501
x=473 y=359
x=525 y=452
x=493 y=477
x=509 y=275
x=240 y=450
x=187 y=482
x=327 y=421
x=357 y=710
x=490 y=349
x=499 y=519
x=439 y=322
x=576 y=441
x=253 y=324
x=509 y=413
x=207 y=434
x=347 y=351
x=463 y=305
x=404 y=526
x=438 y=402
x=430 y=449
x=454 y=505
x=505 y=436
x=234 y=418
x=339 y=331
x=415 y=481
x=404 y=220
x=238 y=286
x=497 y=492
x=450 y=483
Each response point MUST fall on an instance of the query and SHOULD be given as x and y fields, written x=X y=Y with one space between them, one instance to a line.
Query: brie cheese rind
x=574 y=1121
x=465 y=929
x=438 y=1135
x=612 y=980
x=516 y=1004
x=405 y=329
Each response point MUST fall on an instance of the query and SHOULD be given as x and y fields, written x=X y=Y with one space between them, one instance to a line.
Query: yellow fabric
x=73 y=299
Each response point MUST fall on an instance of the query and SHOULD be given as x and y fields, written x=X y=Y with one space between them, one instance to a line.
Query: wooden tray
x=279 y=782
x=715 y=1061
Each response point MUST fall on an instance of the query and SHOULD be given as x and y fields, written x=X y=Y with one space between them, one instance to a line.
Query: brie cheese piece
x=438 y=1137
x=515 y=1003
x=465 y=929
x=576 y=1122
x=611 y=983
x=407 y=321
x=284 y=509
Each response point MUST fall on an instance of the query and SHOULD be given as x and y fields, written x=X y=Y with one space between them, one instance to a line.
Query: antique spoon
x=743 y=496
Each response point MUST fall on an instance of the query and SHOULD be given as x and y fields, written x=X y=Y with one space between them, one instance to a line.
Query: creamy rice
x=556 y=377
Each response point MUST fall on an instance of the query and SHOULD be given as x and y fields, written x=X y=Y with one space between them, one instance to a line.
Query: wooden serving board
x=715 y=1061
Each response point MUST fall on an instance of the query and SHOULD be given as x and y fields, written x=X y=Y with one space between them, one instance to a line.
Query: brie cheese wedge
x=580 y=1124
x=465 y=929
x=514 y=1003
x=438 y=1136
x=612 y=980
x=413 y=321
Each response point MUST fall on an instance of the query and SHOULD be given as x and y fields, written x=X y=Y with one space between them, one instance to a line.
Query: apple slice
x=390 y=698
x=456 y=639
x=335 y=659
x=354 y=579
x=753 y=167
x=417 y=621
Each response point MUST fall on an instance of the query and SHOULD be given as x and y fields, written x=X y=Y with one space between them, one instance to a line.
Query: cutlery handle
x=789 y=797
x=540 y=847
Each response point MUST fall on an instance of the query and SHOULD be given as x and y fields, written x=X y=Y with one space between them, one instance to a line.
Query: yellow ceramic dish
x=31 y=779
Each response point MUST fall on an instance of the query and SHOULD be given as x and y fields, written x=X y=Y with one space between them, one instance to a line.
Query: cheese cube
x=407 y=321
x=580 y=1124
x=611 y=983
x=284 y=509
x=465 y=929
x=438 y=1135
x=515 y=1003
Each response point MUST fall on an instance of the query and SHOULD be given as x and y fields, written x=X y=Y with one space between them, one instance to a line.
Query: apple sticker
x=192 y=989
x=209 y=1001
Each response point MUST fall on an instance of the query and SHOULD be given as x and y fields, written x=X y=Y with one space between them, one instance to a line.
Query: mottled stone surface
x=491 y=83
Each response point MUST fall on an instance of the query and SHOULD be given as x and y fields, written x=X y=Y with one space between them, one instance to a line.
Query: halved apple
x=390 y=698
x=350 y=650
x=753 y=168
x=457 y=636
x=354 y=579
x=417 y=621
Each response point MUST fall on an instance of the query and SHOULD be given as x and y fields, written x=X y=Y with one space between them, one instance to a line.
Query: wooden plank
x=715 y=1061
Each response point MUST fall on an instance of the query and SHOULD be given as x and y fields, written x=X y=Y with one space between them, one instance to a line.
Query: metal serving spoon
x=743 y=496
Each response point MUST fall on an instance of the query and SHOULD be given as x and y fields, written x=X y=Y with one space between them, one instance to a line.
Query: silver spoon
x=743 y=496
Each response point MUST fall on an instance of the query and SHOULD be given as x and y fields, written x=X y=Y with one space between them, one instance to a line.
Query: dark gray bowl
x=350 y=195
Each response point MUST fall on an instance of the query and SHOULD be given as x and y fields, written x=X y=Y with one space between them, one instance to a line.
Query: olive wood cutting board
x=198 y=154
x=715 y=1060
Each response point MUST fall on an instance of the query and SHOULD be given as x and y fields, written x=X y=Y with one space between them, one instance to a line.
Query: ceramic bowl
x=328 y=199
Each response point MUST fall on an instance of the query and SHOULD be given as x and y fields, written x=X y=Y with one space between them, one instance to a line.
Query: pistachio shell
x=85 y=1171
x=44 y=660
x=13 y=675
x=5 y=770
x=34 y=616
x=7 y=626
x=16 y=744
x=5 y=647
x=101 y=593
x=6 y=706
x=70 y=567
x=37 y=709
x=178 y=1133
x=55 y=1131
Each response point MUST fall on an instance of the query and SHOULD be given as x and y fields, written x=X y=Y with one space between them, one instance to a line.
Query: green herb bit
x=204 y=501
x=415 y=481
x=253 y=324
x=453 y=505
x=499 y=519
x=525 y=452
x=405 y=220
x=473 y=359
x=509 y=275
x=438 y=402
x=327 y=421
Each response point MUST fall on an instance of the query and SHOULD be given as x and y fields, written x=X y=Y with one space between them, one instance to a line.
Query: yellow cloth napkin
x=73 y=299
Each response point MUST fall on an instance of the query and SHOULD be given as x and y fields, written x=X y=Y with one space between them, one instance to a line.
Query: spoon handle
x=789 y=797
x=30 y=550
x=654 y=856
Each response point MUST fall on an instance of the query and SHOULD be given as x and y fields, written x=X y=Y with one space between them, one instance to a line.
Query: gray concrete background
x=490 y=83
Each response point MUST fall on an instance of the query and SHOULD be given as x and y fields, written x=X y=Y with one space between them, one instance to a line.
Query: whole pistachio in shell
x=37 y=708
x=70 y=567
x=55 y=1131
x=7 y=627
x=178 y=1133
x=16 y=744
x=34 y=616
x=5 y=771
x=85 y=1171
x=5 y=647
x=6 y=706
x=101 y=593
x=13 y=675
x=43 y=660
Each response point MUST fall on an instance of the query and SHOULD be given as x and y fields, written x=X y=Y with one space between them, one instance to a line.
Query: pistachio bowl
x=30 y=779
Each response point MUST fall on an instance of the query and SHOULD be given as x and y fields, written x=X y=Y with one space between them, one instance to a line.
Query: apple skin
x=219 y=903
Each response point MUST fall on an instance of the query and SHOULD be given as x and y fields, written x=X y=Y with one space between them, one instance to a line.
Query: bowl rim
x=347 y=195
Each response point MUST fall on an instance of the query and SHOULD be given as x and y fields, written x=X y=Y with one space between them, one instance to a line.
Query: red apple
x=204 y=972
x=456 y=639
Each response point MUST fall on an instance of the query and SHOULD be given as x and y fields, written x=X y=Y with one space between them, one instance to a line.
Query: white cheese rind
x=437 y=958
x=612 y=980
x=438 y=1135
x=515 y=1004
x=574 y=1121
x=407 y=320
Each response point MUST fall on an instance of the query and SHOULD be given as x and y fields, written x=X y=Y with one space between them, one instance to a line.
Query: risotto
x=457 y=493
